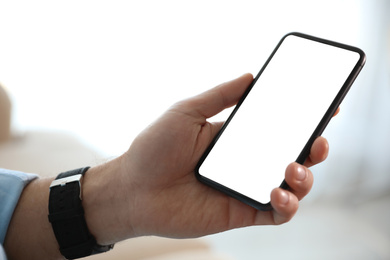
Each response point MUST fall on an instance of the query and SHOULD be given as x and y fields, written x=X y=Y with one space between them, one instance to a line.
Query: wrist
x=105 y=203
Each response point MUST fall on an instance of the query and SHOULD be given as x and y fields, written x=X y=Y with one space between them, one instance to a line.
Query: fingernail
x=301 y=173
x=284 y=197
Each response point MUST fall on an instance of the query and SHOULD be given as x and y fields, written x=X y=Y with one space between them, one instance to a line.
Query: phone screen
x=288 y=104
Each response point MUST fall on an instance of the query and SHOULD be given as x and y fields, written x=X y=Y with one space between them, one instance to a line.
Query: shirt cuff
x=12 y=184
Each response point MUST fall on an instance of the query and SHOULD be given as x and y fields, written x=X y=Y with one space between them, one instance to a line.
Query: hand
x=162 y=195
x=152 y=189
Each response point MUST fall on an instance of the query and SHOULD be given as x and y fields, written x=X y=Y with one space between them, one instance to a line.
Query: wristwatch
x=66 y=215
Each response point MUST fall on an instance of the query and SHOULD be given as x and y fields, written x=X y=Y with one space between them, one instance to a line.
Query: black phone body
x=286 y=107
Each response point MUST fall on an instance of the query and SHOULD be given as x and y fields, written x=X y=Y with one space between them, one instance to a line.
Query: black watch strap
x=66 y=215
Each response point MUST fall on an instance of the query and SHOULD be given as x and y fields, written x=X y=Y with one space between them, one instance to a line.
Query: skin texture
x=152 y=190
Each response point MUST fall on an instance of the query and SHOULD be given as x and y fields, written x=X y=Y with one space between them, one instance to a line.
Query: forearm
x=30 y=234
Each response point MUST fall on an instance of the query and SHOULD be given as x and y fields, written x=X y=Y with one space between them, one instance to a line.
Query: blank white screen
x=278 y=116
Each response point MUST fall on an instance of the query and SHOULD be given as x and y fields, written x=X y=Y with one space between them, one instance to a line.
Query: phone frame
x=317 y=132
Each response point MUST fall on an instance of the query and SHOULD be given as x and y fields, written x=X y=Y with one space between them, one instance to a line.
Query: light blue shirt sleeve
x=12 y=184
x=2 y=254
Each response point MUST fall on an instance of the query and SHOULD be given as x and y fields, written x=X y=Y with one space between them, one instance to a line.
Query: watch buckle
x=63 y=181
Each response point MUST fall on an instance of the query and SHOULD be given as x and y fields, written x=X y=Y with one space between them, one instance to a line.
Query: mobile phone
x=286 y=107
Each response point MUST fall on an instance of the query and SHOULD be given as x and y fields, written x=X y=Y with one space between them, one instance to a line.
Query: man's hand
x=157 y=183
x=152 y=189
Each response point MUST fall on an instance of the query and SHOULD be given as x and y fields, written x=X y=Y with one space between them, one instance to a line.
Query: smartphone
x=286 y=107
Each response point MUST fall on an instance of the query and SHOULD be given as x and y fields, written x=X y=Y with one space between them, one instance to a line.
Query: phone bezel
x=316 y=133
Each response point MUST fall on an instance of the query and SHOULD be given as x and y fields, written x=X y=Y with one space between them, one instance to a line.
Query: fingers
x=299 y=179
x=318 y=152
x=337 y=111
x=215 y=100
x=285 y=203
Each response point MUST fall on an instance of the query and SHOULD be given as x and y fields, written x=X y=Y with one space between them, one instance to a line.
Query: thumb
x=213 y=101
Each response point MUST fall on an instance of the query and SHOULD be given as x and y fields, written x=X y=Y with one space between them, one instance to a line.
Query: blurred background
x=101 y=71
